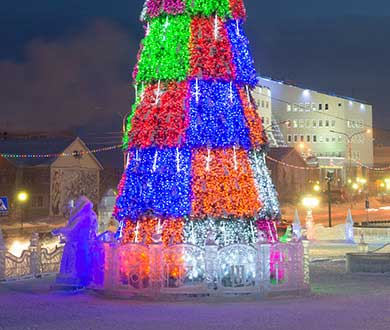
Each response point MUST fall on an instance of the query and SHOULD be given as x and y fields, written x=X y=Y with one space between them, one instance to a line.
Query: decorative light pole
x=22 y=197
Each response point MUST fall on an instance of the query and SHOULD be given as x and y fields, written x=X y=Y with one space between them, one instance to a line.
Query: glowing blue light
x=154 y=184
x=306 y=93
x=216 y=116
x=242 y=58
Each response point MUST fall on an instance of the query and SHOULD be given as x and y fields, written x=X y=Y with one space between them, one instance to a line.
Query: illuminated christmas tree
x=194 y=141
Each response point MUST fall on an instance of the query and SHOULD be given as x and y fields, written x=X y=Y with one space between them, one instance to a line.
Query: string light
x=63 y=154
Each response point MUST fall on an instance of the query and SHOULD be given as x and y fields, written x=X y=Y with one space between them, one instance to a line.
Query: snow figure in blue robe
x=79 y=235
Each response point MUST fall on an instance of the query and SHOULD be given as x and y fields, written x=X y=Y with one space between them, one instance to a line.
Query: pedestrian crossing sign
x=3 y=206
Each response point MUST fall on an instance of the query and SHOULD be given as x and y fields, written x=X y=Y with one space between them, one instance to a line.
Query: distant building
x=318 y=126
x=291 y=182
x=380 y=180
x=51 y=183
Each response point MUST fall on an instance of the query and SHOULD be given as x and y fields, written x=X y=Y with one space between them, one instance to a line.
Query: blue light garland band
x=216 y=116
x=242 y=58
x=157 y=182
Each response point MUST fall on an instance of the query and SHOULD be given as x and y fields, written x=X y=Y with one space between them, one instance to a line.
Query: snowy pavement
x=339 y=301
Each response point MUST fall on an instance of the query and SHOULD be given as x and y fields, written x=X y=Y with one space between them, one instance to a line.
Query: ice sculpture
x=79 y=236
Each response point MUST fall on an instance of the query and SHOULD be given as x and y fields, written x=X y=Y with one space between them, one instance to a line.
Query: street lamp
x=349 y=140
x=22 y=198
x=310 y=203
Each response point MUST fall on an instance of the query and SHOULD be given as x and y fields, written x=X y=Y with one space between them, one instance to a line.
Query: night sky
x=66 y=64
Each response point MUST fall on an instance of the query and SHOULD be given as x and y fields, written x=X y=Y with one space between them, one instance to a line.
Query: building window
x=308 y=123
x=313 y=107
x=308 y=138
x=295 y=123
x=267 y=104
x=302 y=123
x=262 y=103
x=340 y=105
x=333 y=123
x=314 y=122
x=295 y=107
x=326 y=123
x=333 y=138
x=288 y=107
x=314 y=138
x=320 y=107
x=320 y=139
x=295 y=138
x=289 y=138
x=301 y=107
x=37 y=202
x=326 y=107
x=307 y=106
x=327 y=139
x=302 y=138
x=340 y=139
x=320 y=123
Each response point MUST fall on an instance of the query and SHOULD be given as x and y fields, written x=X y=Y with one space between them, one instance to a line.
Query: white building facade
x=322 y=125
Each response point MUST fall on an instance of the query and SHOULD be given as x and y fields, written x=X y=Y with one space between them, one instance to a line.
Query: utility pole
x=349 y=142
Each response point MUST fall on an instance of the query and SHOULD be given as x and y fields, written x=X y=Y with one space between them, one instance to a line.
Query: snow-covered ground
x=339 y=301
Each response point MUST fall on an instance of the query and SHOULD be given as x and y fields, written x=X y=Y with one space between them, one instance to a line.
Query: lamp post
x=310 y=203
x=329 y=178
x=22 y=198
x=349 y=141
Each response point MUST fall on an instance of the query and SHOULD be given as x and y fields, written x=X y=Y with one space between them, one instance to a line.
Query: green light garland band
x=209 y=7
x=139 y=91
x=165 y=54
x=223 y=231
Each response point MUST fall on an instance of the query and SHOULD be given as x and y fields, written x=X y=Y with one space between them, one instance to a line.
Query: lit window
x=295 y=107
x=313 y=107
x=314 y=123
x=289 y=138
x=295 y=123
x=307 y=106
x=340 y=139
x=320 y=139
x=302 y=123
x=307 y=123
x=288 y=107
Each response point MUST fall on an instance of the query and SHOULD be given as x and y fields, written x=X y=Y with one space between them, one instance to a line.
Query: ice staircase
x=276 y=137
